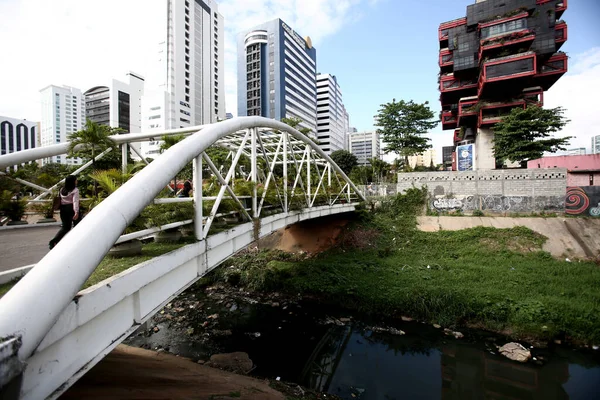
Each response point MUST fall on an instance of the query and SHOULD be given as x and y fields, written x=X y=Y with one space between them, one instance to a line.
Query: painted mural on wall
x=583 y=200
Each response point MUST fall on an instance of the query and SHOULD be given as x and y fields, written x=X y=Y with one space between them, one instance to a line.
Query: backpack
x=56 y=202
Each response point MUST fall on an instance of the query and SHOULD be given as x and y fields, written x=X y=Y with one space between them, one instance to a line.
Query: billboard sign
x=465 y=157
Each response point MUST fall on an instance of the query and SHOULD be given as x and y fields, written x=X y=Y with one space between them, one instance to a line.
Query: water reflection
x=353 y=363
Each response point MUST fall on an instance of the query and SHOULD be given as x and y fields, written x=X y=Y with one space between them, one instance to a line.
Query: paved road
x=25 y=246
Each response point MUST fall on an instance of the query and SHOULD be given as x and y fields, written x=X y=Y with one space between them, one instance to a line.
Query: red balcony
x=561 y=33
x=444 y=27
x=526 y=36
x=523 y=14
x=561 y=8
x=457 y=136
x=449 y=120
x=449 y=82
x=492 y=113
x=467 y=109
x=551 y=70
x=512 y=68
x=534 y=96
x=446 y=58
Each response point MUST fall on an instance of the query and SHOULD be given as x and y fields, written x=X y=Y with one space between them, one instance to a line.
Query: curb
x=12 y=274
x=10 y=227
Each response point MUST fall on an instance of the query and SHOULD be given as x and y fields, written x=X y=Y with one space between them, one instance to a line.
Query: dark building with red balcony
x=503 y=55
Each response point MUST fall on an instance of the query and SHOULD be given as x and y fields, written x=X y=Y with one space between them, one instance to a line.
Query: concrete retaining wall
x=495 y=191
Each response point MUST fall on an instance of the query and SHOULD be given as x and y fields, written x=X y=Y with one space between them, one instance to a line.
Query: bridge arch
x=32 y=308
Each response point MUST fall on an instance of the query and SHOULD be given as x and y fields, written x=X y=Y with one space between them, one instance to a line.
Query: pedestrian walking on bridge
x=69 y=208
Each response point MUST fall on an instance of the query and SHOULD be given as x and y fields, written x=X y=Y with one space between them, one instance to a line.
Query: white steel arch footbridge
x=51 y=332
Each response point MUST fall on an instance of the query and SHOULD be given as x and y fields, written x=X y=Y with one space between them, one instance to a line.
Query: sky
x=378 y=50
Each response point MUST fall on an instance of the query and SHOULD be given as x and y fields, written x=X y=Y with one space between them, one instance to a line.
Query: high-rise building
x=596 y=144
x=364 y=145
x=447 y=157
x=118 y=105
x=17 y=134
x=63 y=113
x=580 y=151
x=277 y=74
x=346 y=128
x=425 y=159
x=155 y=106
x=194 y=63
x=332 y=117
x=503 y=54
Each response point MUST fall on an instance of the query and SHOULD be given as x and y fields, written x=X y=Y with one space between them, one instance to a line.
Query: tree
x=380 y=169
x=94 y=137
x=402 y=125
x=524 y=134
x=345 y=160
x=169 y=141
x=294 y=122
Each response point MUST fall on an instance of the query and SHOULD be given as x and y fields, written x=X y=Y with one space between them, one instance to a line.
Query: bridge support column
x=124 y=158
x=308 y=175
x=198 y=225
x=253 y=133
x=285 y=172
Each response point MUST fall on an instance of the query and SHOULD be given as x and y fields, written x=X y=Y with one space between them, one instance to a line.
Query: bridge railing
x=282 y=160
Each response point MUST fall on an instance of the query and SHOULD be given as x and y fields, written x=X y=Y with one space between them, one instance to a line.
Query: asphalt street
x=24 y=246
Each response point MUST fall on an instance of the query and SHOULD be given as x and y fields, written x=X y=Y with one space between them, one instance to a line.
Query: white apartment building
x=579 y=151
x=118 y=105
x=364 y=145
x=17 y=134
x=331 y=114
x=154 y=119
x=63 y=113
x=596 y=144
x=424 y=159
x=194 y=63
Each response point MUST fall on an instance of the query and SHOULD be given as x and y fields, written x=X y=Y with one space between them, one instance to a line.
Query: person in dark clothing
x=185 y=192
x=69 y=208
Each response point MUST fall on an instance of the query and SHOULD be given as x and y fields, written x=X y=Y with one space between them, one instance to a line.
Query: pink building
x=582 y=170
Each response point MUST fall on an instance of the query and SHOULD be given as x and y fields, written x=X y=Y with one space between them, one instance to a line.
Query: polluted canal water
x=358 y=357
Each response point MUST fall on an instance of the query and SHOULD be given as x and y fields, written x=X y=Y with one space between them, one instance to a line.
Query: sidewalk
x=567 y=237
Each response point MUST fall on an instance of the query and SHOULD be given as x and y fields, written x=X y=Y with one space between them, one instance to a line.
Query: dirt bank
x=133 y=373
x=313 y=236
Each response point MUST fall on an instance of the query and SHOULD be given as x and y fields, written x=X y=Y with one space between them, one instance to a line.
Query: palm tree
x=94 y=138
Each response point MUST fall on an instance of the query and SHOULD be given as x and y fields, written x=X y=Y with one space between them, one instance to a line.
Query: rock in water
x=237 y=362
x=515 y=352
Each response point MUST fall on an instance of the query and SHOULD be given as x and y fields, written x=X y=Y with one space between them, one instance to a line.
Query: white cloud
x=576 y=92
x=83 y=43
x=72 y=42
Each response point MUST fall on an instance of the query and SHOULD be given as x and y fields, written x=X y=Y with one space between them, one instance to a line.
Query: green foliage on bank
x=497 y=279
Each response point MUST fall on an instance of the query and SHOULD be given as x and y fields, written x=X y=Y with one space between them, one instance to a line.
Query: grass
x=498 y=279
x=5 y=287
x=112 y=266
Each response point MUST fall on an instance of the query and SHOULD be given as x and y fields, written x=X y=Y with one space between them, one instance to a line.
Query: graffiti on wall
x=498 y=203
x=448 y=204
x=583 y=200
